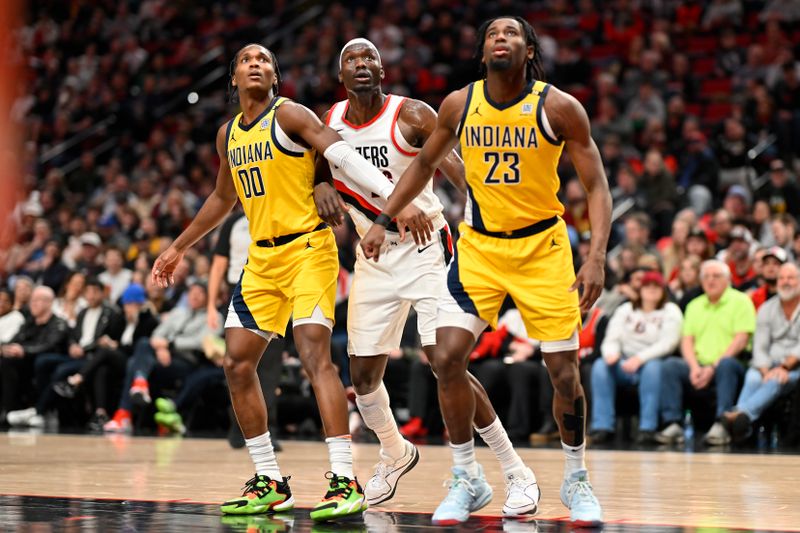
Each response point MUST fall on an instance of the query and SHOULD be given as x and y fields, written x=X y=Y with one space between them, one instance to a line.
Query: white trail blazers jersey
x=381 y=143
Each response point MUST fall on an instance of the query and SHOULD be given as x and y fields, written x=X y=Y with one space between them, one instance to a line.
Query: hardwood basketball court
x=638 y=490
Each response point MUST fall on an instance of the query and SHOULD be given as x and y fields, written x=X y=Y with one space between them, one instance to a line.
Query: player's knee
x=566 y=381
x=316 y=363
x=448 y=366
x=366 y=377
x=238 y=368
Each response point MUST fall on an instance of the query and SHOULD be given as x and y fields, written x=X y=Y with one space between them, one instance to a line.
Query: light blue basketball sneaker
x=465 y=496
x=577 y=495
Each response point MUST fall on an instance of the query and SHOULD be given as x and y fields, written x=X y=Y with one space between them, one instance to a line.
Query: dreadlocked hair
x=232 y=92
x=534 y=68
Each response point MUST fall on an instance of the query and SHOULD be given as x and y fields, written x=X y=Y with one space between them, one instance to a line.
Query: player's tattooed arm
x=417 y=120
x=570 y=122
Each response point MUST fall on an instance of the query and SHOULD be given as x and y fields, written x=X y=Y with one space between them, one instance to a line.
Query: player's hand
x=415 y=219
x=212 y=318
x=163 y=272
x=590 y=277
x=611 y=359
x=372 y=241
x=330 y=206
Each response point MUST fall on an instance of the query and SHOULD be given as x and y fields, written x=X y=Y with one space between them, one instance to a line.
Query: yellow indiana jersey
x=274 y=176
x=510 y=160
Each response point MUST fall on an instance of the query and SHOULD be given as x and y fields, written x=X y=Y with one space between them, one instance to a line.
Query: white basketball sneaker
x=522 y=493
x=383 y=484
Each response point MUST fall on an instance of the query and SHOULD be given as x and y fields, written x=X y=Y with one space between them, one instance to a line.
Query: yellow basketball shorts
x=286 y=281
x=536 y=271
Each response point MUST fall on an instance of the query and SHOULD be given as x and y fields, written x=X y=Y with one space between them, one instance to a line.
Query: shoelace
x=381 y=470
x=517 y=482
x=252 y=486
x=453 y=484
x=582 y=489
x=339 y=486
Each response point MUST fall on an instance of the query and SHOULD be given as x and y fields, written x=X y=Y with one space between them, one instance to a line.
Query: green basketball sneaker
x=165 y=405
x=345 y=497
x=173 y=422
x=261 y=495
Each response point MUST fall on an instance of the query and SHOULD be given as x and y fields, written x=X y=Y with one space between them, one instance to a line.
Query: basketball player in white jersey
x=389 y=130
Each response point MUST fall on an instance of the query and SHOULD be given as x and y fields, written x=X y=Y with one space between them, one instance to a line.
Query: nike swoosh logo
x=420 y=250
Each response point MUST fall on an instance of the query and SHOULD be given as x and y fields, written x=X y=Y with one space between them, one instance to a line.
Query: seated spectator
x=686 y=285
x=639 y=335
x=23 y=290
x=89 y=259
x=716 y=332
x=42 y=333
x=106 y=366
x=658 y=187
x=70 y=301
x=780 y=192
x=771 y=262
x=739 y=260
x=175 y=348
x=11 y=320
x=775 y=369
x=96 y=325
x=115 y=277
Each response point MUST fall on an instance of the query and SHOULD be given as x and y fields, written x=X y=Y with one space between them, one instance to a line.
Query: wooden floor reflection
x=700 y=490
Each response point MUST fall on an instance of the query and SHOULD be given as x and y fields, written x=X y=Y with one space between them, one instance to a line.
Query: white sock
x=341 y=455
x=377 y=414
x=495 y=436
x=464 y=457
x=575 y=458
x=263 y=455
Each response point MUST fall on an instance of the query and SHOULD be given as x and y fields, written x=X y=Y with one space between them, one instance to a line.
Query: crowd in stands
x=695 y=107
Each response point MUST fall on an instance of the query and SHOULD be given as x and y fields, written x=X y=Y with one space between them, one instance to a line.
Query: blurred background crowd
x=695 y=107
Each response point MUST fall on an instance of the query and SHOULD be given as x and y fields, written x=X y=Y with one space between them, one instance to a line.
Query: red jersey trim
x=394 y=125
x=371 y=121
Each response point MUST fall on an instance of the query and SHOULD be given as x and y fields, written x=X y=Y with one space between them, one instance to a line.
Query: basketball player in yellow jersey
x=512 y=129
x=292 y=268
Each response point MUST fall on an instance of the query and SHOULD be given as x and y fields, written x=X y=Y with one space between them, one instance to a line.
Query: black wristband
x=383 y=220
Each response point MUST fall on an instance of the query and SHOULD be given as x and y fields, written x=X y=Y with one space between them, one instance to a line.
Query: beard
x=788 y=293
x=501 y=65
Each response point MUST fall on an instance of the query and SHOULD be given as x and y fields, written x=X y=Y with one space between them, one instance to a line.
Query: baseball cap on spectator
x=740 y=232
x=654 y=277
x=133 y=294
x=92 y=239
x=778 y=253
x=741 y=192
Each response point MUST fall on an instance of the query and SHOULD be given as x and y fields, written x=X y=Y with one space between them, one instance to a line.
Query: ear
x=341 y=80
x=233 y=81
x=383 y=74
x=530 y=52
